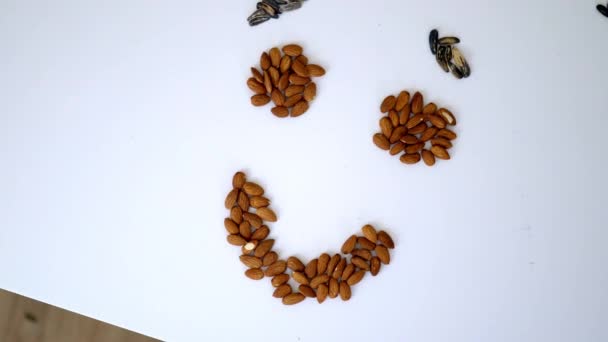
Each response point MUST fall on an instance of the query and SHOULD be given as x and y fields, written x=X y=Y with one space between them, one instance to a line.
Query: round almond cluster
x=320 y=278
x=409 y=126
x=285 y=79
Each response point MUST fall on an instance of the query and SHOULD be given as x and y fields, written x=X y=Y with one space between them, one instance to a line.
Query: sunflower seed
x=258 y=17
x=603 y=9
x=441 y=60
x=275 y=4
x=456 y=71
x=271 y=11
x=448 y=41
x=291 y=5
x=461 y=62
x=433 y=37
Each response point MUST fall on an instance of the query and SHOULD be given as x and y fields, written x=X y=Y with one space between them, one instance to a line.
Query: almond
x=298 y=80
x=383 y=254
x=300 y=277
x=299 y=108
x=302 y=59
x=385 y=239
x=283 y=82
x=322 y=263
x=363 y=253
x=236 y=240
x=277 y=97
x=447 y=116
x=310 y=91
x=311 y=268
x=267 y=81
x=404 y=116
x=254 y=273
x=394 y=118
x=270 y=258
x=265 y=61
x=428 y=134
x=374 y=266
x=446 y=133
x=349 y=244
x=292 y=50
x=275 y=56
x=441 y=142
x=365 y=243
x=333 y=287
x=259 y=100
x=245 y=230
x=257 y=75
x=333 y=262
x=274 y=75
x=292 y=100
x=345 y=291
x=428 y=157
x=414 y=121
x=409 y=139
x=249 y=247
x=360 y=262
x=281 y=291
x=238 y=180
x=236 y=214
x=243 y=201
x=260 y=233
x=348 y=271
x=256 y=86
x=402 y=100
x=397 y=134
x=250 y=261
x=307 y=291
x=410 y=158
x=355 y=278
x=381 y=141
x=295 y=264
x=397 y=148
x=339 y=269
x=254 y=219
x=280 y=112
x=293 y=298
x=386 y=126
x=259 y=201
x=388 y=103
x=299 y=68
x=285 y=64
x=417 y=103
x=276 y=268
x=411 y=149
x=231 y=198
x=253 y=189
x=279 y=279
x=266 y=214
x=231 y=226
x=418 y=129
x=294 y=89
x=369 y=232
x=429 y=108
x=315 y=70
x=440 y=152
x=263 y=247
x=318 y=280
x=322 y=293
x=437 y=121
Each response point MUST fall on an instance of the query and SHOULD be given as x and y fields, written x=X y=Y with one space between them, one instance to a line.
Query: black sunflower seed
x=441 y=59
x=433 y=37
x=603 y=9
x=258 y=17
x=448 y=41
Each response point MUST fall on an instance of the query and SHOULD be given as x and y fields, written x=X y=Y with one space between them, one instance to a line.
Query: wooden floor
x=26 y=320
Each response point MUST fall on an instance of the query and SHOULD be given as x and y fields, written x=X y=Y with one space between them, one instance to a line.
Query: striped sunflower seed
x=448 y=41
x=271 y=11
x=442 y=58
x=258 y=17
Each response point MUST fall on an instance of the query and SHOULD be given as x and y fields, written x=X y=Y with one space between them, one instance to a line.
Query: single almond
x=349 y=244
x=348 y=271
x=322 y=292
x=275 y=56
x=307 y=291
x=386 y=239
x=437 y=121
x=333 y=287
x=243 y=201
x=236 y=240
x=388 y=103
x=322 y=263
x=430 y=108
x=245 y=230
x=256 y=86
x=292 y=50
x=428 y=134
x=300 y=277
x=440 y=152
x=293 y=298
x=410 y=158
x=441 y=142
x=292 y=100
x=333 y=262
x=315 y=70
x=381 y=141
x=260 y=100
x=274 y=75
x=267 y=81
x=263 y=247
x=409 y=139
x=428 y=157
x=280 y=112
x=310 y=91
x=392 y=114
x=362 y=252
x=279 y=280
x=295 y=264
x=414 y=121
x=238 y=180
x=404 y=115
x=311 y=268
x=303 y=59
x=355 y=278
x=397 y=148
x=285 y=64
x=447 y=116
x=386 y=126
x=345 y=291
x=231 y=226
x=266 y=214
x=402 y=100
x=231 y=198
x=249 y=247
x=369 y=232
x=270 y=258
x=277 y=97
x=254 y=273
x=397 y=134
x=339 y=269
x=299 y=68
x=253 y=189
x=283 y=82
x=265 y=61
x=411 y=149
x=417 y=103
x=446 y=133
x=294 y=89
x=281 y=291
x=374 y=266
x=419 y=128
x=360 y=262
x=298 y=80
x=260 y=233
x=254 y=219
x=318 y=280
x=365 y=243
x=259 y=201
x=276 y=268
x=257 y=75
x=383 y=254
x=251 y=261
x=299 y=108
x=236 y=214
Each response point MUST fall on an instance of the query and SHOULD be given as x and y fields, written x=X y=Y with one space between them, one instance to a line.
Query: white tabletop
x=122 y=122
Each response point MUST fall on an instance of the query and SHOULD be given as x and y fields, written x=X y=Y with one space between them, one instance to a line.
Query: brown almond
x=414 y=121
x=260 y=233
x=345 y=291
x=365 y=243
x=307 y=291
x=249 y=247
x=446 y=133
x=397 y=134
x=440 y=152
x=293 y=298
x=410 y=158
x=386 y=126
x=381 y=141
x=411 y=149
x=275 y=56
x=388 y=103
x=231 y=198
x=348 y=271
x=256 y=86
x=322 y=263
x=303 y=59
x=394 y=118
x=429 y=108
x=299 y=68
x=311 y=268
x=428 y=134
x=294 y=89
x=318 y=280
x=404 y=115
x=417 y=103
x=300 y=277
x=253 y=189
x=281 y=291
x=331 y=266
x=402 y=100
x=267 y=81
x=236 y=240
x=285 y=64
x=277 y=97
x=310 y=91
x=333 y=287
x=254 y=273
x=270 y=258
x=274 y=75
x=355 y=278
x=374 y=266
x=383 y=254
x=280 y=112
x=231 y=226
x=265 y=61
x=369 y=232
x=339 y=269
x=260 y=100
x=238 y=180
x=263 y=247
x=360 y=262
x=276 y=268
x=298 y=80
x=349 y=244
x=363 y=253
x=428 y=157
x=299 y=108
x=419 y=128
x=409 y=139
x=279 y=280
x=257 y=75
x=397 y=148
x=243 y=201
x=236 y=214
x=447 y=116
x=254 y=219
x=315 y=70
x=292 y=100
x=259 y=201
x=251 y=261
x=295 y=264
x=283 y=82
x=437 y=121
x=245 y=230
x=266 y=214
x=322 y=293
x=385 y=239
x=441 y=142
x=292 y=50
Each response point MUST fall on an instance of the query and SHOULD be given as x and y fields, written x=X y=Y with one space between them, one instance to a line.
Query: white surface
x=121 y=124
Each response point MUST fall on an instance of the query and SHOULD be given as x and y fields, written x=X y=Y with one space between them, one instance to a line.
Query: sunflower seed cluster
x=267 y=9
x=449 y=58
x=603 y=9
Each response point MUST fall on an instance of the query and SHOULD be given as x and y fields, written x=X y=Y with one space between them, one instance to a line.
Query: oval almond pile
x=286 y=80
x=415 y=130
x=327 y=276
